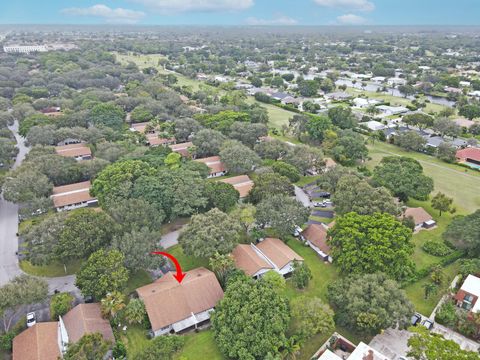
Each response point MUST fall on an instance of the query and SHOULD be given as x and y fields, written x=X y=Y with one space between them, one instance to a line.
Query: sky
x=242 y=12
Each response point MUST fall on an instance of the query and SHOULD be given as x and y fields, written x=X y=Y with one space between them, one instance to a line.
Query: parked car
x=416 y=318
x=428 y=324
x=323 y=194
x=297 y=231
x=31 y=319
x=88 y=299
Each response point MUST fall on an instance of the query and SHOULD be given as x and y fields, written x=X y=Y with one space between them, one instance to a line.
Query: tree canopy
x=464 y=232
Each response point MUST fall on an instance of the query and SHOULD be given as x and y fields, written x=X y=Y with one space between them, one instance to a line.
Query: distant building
x=217 y=168
x=73 y=196
x=182 y=148
x=421 y=218
x=316 y=237
x=243 y=184
x=76 y=151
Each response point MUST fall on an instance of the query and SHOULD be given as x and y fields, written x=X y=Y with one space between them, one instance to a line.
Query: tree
x=422 y=121
x=85 y=231
x=268 y=184
x=342 y=117
x=20 y=291
x=470 y=111
x=276 y=280
x=26 y=184
x=304 y=158
x=369 y=303
x=238 y=158
x=404 y=177
x=446 y=152
x=102 y=273
x=367 y=244
x=256 y=82
x=298 y=124
x=109 y=115
x=173 y=160
x=406 y=90
x=8 y=150
x=221 y=195
x=161 y=347
x=111 y=304
x=301 y=274
x=136 y=247
x=308 y=88
x=60 y=304
x=89 y=347
x=349 y=148
x=125 y=213
x=312 y=316
x=208 y=142
x=446 y=127
x=251 y=320
x=245 y=214
x=442 y=203
x=273 y=149
x=464 y=232
x=222 y=265
x=329 y=180
x=281 y=213
x=287 y=170
x=247 y=133
x=426 y=345
x=316 y=127
x=185 y=127
x=357 y=195
x=135 y=312
x=410 y=140
x=209 y=233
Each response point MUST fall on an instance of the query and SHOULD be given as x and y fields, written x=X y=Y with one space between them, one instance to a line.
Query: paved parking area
x=392 y=343
x=461 y=340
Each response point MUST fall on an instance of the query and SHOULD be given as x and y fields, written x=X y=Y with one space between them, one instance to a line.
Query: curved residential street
x=9 y=266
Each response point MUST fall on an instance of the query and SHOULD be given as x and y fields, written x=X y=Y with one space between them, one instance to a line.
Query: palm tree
x=291 y=348
x=112 y=303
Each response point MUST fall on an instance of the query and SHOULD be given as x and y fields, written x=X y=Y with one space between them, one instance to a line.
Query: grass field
x=200 y=346
x=51 y=270
x=457 y=182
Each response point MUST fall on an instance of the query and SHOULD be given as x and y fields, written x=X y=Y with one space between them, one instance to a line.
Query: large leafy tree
x=311 y=316
x=251 y=320
x=317 y=126
x=126 y=212
x=102 y=273
x=420 y=120
x=109 y=115
x=8 y=150
x=221 y=195
x=84 y=231
x=161 y=347
x=282 y=213
x=209 y=233
x=442 y=203
x=304 y=158
x=273 y=149
x=410 y=140
x=247 y=133
x=357 y=195
x=22 y=290
x=349 y=148
x=464 y=232
x=372 y=243
x=208 y=142
x=89 y=347
x=268 y=184
x=369 y=303
x=404 y=177
x=238 y=158
x=136 y=247
x=426 y=345
x=342 y=117
x=26 y=184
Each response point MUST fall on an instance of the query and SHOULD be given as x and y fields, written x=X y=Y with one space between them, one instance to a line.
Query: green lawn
x=51 y=270
x=453 y=180
x=304 y=180
x=136 y=280
x=200 y=346
x=187 y=262
x=135 y=340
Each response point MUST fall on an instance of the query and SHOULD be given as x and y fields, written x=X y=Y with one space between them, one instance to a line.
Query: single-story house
x=49 y=340
x=52 y=111
x=243 y=184
x=175 y=307
x=379 y=79
x=471 y=155
x=268 y=254
x=290 y=100
x=280 y=95
x=181 y=148
x=217 y=168
x=142 y=127
x=374 y=125
x=155 y=140
x=387 y=110
x=73 y=196
x=316 y=237
x=364 y=103
x=76 y=151
x=396 y=81
x=467 y=296
x=339 y=96
x=435 y=141
x=421 y=218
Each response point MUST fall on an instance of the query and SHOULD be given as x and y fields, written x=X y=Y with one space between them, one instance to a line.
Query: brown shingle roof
x=168 y=301
x=241 y=183
x=37 y=343
x=279 y=253
x=181 y=148
x=71 y=194
x=248 y=260
x=73 y=150
x=214 y=163
x=419 y=215
x=154 y=140
x=317 y=235
x=86 y=319
x=469 y=153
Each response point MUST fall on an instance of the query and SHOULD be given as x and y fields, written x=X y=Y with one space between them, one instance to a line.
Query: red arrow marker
x=179 y=275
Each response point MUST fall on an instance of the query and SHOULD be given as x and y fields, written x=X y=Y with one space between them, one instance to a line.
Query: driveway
x=391 y=343
x=324 y=213
x=170 y=239
x=302 y=197
x=465 y=343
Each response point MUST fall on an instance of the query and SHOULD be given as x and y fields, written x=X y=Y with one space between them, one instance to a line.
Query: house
x=387 y=110
x=73 y=196
x=467 y=296
x=435 y=141
x=243 y=184
x=396 y=81
x=290 y=100
x=39 y=342
x=269 y=254
x=364 y=103
x=338 y=347
x=374 y=125
x=469 y=155
x=49 y=340
x=421 y=218
x=182 y=148
x=155 y=140
x=175 y=307
x=316 y=237
x=77 y=151
x=338 y=96
x=280 y=95
x=52 y=111
x=217 y=168
x=142 y=127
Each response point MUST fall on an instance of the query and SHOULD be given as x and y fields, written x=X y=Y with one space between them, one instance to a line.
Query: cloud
x=359 y=5
x=278 y=20
x=179 y=6
x=118 y=15
x=351 y=19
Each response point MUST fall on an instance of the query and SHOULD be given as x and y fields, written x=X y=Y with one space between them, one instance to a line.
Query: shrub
x=301 y=275
x=447 y=314
x=60 y=304
x=436 y=248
